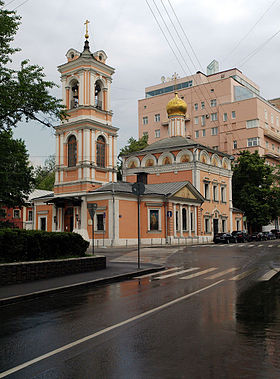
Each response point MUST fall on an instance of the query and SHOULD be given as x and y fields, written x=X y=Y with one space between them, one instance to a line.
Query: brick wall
x=11 y=273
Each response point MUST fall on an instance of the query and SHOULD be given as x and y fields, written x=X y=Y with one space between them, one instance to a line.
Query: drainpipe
x=114 y=223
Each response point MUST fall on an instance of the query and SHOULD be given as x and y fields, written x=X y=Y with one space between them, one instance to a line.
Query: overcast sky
x=228 y=31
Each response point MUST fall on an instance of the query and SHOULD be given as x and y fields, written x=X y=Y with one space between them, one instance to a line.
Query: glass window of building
x=184 y=218
x=196 y=120
x=273 y=146
x=196 y=106
x=203 y=132
x=225 y=117
x=215 y=192
x=30 y=215
x=214 y=116
x=207 y=225
x=233 y=114
x=157 y=133
x=253 y=142
x=16 y=213
x=213 y=103
x=271 y=118
x=196 y=133
x=265 y=114
x=235 y=144
x=202 y=105
x=100 y=151
x=223 y=194
x=223 y=226
x=203 y=120
x=277 y=121
x=154 y=219
x=157 y=117
x=266 y=144
x=252 y=124
x=206 y=191
x=214 y=131
x=72 y=151
x=145 y=120
x=100 y=221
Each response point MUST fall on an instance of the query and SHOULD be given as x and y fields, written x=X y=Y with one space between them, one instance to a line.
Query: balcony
x=272 y=135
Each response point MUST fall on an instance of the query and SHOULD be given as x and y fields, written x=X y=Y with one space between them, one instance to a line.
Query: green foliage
x=30 y=245
x=24 y=93
x=132 y=146
x=45 y=175
x=253 y=190
x=16 y=176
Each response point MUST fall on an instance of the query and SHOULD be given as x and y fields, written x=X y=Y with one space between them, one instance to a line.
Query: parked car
x=269 y=235
x=240 y=235
x=257 y=236
x=224 y=238
x=276 y=232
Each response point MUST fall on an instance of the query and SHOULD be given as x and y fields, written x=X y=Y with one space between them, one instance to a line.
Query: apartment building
x=225 y=111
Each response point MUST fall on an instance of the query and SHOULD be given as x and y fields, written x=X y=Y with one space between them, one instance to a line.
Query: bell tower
x=86 y=143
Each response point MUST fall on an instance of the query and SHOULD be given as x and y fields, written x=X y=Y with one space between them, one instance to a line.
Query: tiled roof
x=37 y=193
x=170 y=142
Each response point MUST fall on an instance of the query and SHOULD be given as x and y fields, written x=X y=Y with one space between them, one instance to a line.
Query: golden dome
x=176 y=107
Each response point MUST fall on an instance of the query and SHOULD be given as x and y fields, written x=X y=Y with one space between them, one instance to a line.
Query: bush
x=18 y=245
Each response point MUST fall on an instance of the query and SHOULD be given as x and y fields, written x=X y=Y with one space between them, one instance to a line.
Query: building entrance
x=215 y=226
x=68 y=220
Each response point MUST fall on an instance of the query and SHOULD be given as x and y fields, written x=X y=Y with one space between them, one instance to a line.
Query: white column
x=189 y=220
x=195 y=220
x=92 y=78
x=230 y=203
x=110 y=151
x=109 y=94
x=93 y=149
x=63 y=85
x=80 y=157
x=61 y=163
x=174 y=218
x=81 y=88
x=181 y=220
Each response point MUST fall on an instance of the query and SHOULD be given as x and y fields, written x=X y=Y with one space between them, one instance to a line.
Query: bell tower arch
x=86 y=143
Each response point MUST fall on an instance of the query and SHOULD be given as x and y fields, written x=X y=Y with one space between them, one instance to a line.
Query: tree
x=132 y=146
x=253 y=190
x=24 y=94
x=45 y=175
x=16 y=175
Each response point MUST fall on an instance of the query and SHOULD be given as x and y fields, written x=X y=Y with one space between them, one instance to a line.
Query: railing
x=98 y=104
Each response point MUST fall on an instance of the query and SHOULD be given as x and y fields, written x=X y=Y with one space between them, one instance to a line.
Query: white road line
x=269 y=274
x=176 y=273
x=157 y=273
x=199 y=273
x=221 y=273
x=260 y=246
x=251 y=245
x=100 y=332
x=270 y=245
x=243 y=274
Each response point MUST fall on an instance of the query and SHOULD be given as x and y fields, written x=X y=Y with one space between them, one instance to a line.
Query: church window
x=184 y=218
x=166 y=161
x=100 y=151
x=98 y=94
x=72 y=151
x=154 y=222
x=74 y=101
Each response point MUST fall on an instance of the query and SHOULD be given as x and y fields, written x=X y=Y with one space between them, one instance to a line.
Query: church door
x=68 y=220
x=215 y=226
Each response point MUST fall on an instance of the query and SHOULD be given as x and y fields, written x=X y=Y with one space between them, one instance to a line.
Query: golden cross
x=86 y=24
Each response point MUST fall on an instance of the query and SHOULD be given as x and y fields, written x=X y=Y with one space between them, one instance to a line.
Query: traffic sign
x=91 y=209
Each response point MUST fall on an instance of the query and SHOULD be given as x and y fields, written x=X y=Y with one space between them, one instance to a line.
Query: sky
x=237 y=33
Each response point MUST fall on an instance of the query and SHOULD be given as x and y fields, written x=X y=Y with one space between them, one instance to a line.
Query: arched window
x=98 y=94
x=166 y=161
x=74 y=94
x=100 y=151
x=72 y=151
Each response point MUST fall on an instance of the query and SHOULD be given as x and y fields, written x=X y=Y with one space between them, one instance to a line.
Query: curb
x=110 y=279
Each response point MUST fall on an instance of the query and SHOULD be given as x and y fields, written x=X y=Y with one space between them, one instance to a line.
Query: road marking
x=100 y=332
x=270 y=245
x=251 y=245
x=199 y=273
x=268 y=275
x=221 y=273
x=243 y=274
x=157 y=273
x=259 y=245
x=176 y=273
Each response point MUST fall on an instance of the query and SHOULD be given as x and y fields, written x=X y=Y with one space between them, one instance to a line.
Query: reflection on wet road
x=207 y=316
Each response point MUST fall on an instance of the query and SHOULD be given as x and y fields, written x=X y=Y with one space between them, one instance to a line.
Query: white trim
x=154 y=208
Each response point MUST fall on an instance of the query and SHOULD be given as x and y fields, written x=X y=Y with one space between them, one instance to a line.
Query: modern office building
x=224 y=111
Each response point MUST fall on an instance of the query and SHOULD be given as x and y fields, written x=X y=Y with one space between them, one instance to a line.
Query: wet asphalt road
x=198 y=324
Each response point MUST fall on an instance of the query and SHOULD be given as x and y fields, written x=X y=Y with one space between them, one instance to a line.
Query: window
x=98 y=94
x=145 y=106
x=207 y=225
x=203 y=120
x=206 y=191
x=214 y=131
x=225 y=117
x=157 y=117
x=266 y=144
x=224 y=226
x=266 y=125
x=100 y=151
x=223 y=194
x=177 y=221
x=214 y=116
x=74 y=94
x=237 y=224
x=277 y=121
x=253 y=142
x=215 y=192
x=43 y=223
x=215 y=147
x=184 y=218
x=213 y=103
x=202 y=105
x=30 y=215
x=192 y=223
x=203 y=132
x=233 y=115
x=157 y=133
x=196 y=120
x=235 y=144
x=154 y=219
x=72 y=151
x=271 y=118
x=16 y=213
x=273 y=146
x=145 y=120
x=100 y=221
x=195 y=106
x=252 y=124
x=196 y=133
x=3 y=213
x=265 y=114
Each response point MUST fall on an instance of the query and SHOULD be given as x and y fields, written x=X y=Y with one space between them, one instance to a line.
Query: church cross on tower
x=86 y=24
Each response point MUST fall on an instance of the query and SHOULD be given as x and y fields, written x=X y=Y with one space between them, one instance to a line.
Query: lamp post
x=138 y=189
x=91 y=210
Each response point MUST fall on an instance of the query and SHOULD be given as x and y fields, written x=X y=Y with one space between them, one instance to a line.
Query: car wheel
x=227 y=241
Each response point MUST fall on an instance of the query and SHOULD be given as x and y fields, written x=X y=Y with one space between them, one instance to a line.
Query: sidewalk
x=115 y=271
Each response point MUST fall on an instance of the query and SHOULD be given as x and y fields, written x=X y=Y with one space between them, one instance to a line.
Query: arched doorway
x=69 y=219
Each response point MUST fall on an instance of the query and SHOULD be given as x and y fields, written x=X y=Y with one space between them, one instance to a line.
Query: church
x=186 y=195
